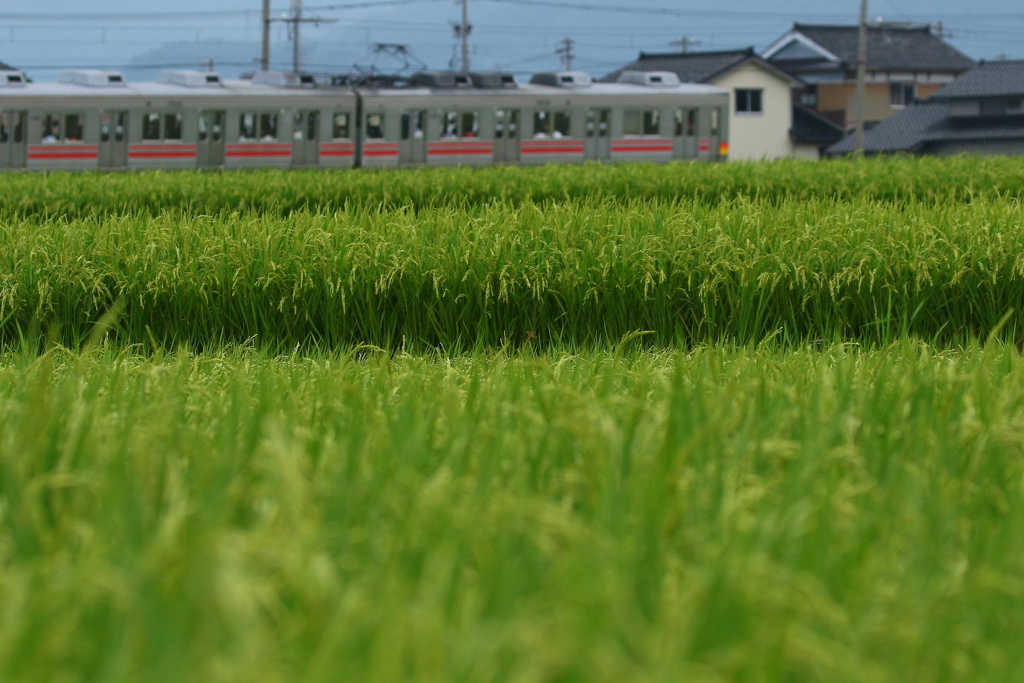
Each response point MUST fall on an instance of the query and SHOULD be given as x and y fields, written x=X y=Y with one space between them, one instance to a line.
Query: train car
x=562 y=117
x=186 y=119
x=94 y=119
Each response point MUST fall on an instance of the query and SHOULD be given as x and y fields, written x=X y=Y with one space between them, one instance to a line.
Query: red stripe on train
x=459 y=152
x=162 y=155
x=239 y=153
x=49 y=157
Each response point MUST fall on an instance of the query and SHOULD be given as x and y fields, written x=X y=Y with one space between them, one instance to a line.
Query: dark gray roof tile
x=890 y=46
x=929 y=121
x=989 y=79
x=811 y=127
x=691 y=67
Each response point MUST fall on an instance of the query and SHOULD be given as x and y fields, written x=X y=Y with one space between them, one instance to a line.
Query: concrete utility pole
x=296 y=24
x=462 y=31
x=465 y=36
x=862 y=64
x=685 y=44
x=265 y=54
x=565 y=53
x=295 y=21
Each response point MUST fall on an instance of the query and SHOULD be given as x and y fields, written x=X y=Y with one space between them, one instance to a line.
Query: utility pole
x=685 y=44
x=862 y=64
x=295 y=20
x=565 y=53
x=461 y=31
x=265 y=53
x=296 y=24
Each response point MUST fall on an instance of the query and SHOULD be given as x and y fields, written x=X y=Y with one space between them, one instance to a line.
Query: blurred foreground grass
x=726 y=514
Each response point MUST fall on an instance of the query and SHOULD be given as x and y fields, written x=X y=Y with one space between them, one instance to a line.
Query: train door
x=12 y=139
x=113 y=152
x=714 y=133
x=684 y=144
x=598 y=141
x=506 y=136
x=412 y=148
x=210 y=150
x=306 y=138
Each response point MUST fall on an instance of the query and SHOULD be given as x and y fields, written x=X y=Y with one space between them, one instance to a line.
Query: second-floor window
x=901 y=94
x=748 y=101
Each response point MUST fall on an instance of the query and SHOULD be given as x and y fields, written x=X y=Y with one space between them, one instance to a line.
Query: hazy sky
x=517 y=35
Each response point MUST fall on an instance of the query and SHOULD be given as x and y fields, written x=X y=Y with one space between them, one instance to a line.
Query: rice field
x=743 y=422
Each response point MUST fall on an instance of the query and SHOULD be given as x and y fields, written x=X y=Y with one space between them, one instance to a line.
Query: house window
x=901 y=94
x=809 y=98
x=748 y=101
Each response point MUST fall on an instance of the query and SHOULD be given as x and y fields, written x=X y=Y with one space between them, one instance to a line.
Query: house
x=761 y=114
x=981 y=112
x=905 y=62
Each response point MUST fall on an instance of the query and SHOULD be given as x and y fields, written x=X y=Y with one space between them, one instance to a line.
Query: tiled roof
x=811 y=127
x=890 y=46
x=989 y=79
x=929 y=121
x=693 y=67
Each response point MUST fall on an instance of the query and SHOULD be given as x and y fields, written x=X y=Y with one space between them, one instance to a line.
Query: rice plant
x=931 y=180
x=580 y=273
x=724 y=514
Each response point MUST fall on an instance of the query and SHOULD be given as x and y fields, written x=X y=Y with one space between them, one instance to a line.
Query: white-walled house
x=763 y=121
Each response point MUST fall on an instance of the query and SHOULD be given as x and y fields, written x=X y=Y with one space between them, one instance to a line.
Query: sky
x=140 y=37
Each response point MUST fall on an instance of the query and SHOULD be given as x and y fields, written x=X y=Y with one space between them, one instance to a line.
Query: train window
x=561 y=124
x=597 y=122
x=541 y=124
x=217 y=129
x=105 y=119
x=469 y=124
x=73 y=127
x=268 y=127
x=691 y=122
x=406 y=120
x=513 y=123
x=339 y=129
x=247 y=126
x=4 y=123
x=450 y=125
x=714 y=121
x=51 y=128
x=312 y=125
x=631 y=122
x=374 y=126
x=652 y=122
x=211 y=125
x=547 y=124
x=151 y=127
x=172 y=126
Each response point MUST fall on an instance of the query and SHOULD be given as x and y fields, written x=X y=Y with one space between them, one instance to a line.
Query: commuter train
x=93 y=119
